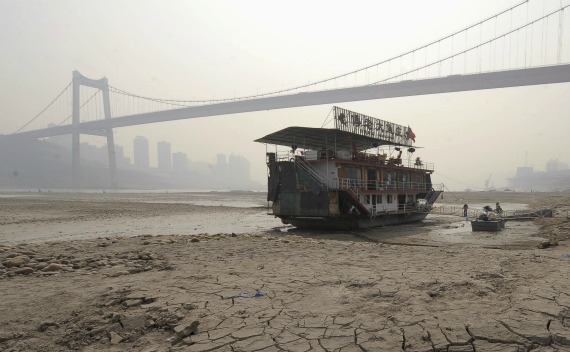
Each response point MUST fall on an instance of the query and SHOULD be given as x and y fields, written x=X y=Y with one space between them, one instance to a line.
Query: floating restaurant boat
x=351 y=176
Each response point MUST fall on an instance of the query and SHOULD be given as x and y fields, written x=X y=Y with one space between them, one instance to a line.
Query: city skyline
x=228 y=171
x=179 y=158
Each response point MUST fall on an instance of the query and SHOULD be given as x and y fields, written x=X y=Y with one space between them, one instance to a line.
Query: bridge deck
x=454 y=83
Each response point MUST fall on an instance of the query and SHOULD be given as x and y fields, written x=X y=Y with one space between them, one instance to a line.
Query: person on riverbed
x=465 y=207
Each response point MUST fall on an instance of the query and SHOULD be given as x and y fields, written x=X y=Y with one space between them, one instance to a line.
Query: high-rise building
x=239 y=171
x=220 y=169
x=552 y=165
x=94 y=153
x=122 y=161
x=179 y=161
x=221 y=159
x=164 y=156
x=140 y=147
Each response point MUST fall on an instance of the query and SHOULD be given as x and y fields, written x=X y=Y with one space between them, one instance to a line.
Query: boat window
x=389 y=198
x=352 y=172
x=389 y=178
x=371 y=177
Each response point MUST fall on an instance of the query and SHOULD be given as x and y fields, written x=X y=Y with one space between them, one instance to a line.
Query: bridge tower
x=103 y=85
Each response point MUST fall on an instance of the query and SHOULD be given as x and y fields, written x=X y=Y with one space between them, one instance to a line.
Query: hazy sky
x=216 y=49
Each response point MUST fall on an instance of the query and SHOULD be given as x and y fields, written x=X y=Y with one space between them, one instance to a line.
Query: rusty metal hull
x=352 y=223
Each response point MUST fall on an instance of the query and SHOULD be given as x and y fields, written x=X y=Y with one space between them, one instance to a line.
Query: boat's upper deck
x=352 y=131
x=355 y=139
x=370 y=160
x=325 y=139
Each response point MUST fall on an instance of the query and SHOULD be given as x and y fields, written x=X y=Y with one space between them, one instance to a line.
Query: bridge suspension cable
x=80 y=107
x=474 y=47
x=401 y=55
x=173 y=102
x=494 y=39
x=44 y=109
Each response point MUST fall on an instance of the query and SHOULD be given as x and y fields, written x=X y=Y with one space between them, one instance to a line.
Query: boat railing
x=505 y=214
x=301 y=163
x=379 y=209
x=375 y=185
x=284 y=156
x=363 y=157
x=383 y=160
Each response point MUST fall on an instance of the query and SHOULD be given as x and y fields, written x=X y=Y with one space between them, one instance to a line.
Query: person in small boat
x=484 y=217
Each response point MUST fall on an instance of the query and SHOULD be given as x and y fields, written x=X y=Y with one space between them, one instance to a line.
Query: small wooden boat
x=487 y=225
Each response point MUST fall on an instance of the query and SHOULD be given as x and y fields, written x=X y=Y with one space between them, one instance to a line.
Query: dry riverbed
x=274 y=291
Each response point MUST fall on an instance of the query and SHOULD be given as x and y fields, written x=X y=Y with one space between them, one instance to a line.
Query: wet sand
x=32 y=217
x=108 y=272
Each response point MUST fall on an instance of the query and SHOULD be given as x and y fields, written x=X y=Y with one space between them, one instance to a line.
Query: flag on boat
x=411 y=135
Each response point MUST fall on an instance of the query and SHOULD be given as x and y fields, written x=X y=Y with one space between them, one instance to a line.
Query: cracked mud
x=260 y=293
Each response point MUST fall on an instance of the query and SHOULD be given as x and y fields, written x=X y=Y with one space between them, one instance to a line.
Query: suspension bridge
x=526 y=44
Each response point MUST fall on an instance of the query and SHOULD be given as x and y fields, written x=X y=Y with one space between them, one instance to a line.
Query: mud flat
x=268 y=290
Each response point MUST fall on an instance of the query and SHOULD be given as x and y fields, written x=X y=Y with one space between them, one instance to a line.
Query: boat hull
x=352 y=223
x=487 y=225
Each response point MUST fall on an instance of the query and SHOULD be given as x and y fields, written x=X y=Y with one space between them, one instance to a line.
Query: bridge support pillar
x=109 y=132
x=103 y=85
x=112 y=157
x=75 y=139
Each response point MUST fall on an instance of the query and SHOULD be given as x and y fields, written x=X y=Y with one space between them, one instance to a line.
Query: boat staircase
x=356 y=199
x=309 y=169
x=432 y=197
x=318 y=176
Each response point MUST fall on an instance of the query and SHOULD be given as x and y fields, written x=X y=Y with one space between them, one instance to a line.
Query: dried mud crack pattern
x=262 y=293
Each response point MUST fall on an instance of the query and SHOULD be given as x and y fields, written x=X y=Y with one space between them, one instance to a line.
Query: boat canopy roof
x=324 y=138
x=352 y=131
